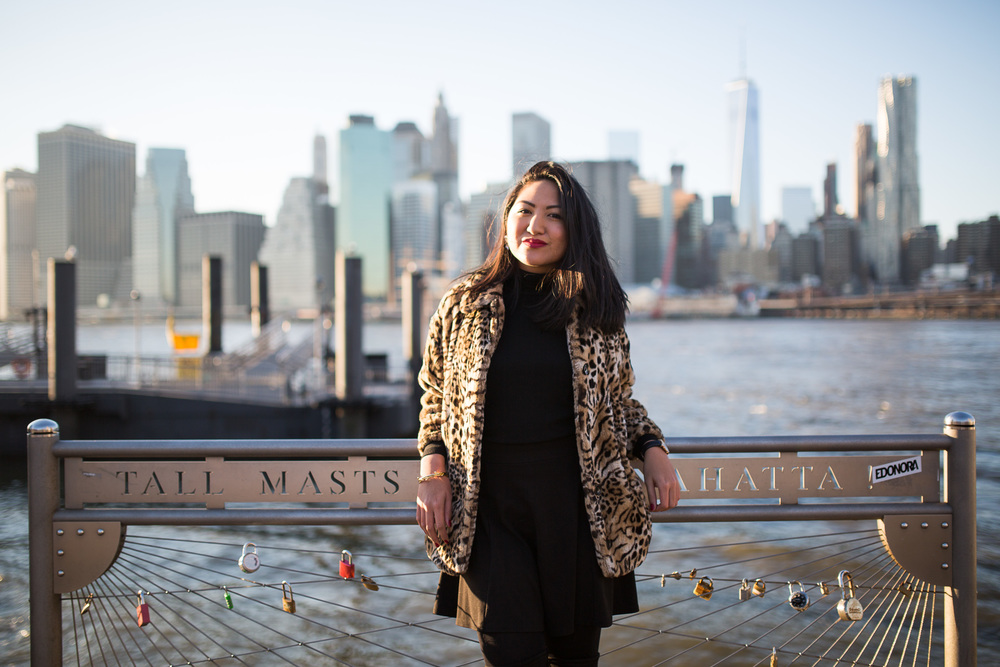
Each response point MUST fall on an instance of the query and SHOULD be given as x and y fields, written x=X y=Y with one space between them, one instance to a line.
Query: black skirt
x=533 y=566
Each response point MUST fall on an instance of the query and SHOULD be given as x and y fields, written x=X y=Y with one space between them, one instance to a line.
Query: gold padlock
x=849 y=608
x=759 y=588
x=287 y=600
x=369 y=583
x=704 y=587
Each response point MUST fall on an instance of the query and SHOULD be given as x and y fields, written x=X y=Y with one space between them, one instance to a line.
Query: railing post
x=960 y=614
x=43 y=500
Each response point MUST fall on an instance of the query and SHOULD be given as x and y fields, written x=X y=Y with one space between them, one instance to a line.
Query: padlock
x=849 y=608
x=287 y=600
x=86 y=605
x=369 y=583
x=346 y=564
x=249 y=560
x=704 y=587
x=759 y=588
x=797 y=599
x=227 y=597
x=823 y=588
x=745 y=593
x=142 y=611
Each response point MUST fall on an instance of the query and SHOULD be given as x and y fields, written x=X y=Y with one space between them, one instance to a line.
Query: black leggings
x=538 y=649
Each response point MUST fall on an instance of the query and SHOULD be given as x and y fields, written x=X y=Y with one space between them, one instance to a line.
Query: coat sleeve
x=641 y=429
x=430 y=438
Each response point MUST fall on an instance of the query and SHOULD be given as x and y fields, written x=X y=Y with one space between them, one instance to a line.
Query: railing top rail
x=402 y=448
x=407 y=448
x=810 y=443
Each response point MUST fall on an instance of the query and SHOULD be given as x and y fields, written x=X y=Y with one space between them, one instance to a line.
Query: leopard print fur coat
x=463 y=335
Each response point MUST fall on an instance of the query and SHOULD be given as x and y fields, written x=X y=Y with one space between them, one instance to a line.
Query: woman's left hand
x=662 y=487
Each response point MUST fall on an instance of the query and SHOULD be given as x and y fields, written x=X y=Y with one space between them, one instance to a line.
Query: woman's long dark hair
x=584 y=275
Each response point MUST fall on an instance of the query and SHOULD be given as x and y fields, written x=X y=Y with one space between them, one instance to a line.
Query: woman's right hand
x=434 y=500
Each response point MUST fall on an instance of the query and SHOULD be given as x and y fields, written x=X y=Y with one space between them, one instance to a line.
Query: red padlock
x=346 y=564
x=142 y=611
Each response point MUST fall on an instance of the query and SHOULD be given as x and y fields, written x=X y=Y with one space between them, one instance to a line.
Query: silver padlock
x=249 y=561
x=745 y=592
x=849 y=608
x=797 y=599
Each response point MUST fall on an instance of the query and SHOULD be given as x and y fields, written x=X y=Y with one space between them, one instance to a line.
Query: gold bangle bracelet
x=424 y=478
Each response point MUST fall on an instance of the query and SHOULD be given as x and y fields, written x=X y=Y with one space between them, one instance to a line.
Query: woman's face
x=536 y=228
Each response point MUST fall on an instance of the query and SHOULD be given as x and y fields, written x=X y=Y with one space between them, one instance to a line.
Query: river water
x=708 y=378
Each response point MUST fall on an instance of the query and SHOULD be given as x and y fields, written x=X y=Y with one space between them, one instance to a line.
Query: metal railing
x=921 y=489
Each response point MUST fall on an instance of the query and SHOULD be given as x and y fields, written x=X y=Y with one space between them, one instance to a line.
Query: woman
x=527 y=425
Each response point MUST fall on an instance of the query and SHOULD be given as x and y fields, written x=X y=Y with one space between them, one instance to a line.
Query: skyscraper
x=86 y=192
x=366 y=170
x=298 y=250
x=17 y=241
x=745 y=156
x=898 y=185
x=531 y=141
x=444 y=153
x=864 y=173
x=607 y=183
x=162 y=197
x=410 y=152
x=830 y=200
x=415 y=215
x=236 y=238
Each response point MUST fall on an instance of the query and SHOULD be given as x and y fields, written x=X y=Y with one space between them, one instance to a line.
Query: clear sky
x=244 y=86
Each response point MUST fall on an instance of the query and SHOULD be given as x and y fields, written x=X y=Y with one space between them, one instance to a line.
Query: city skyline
x=247 y=121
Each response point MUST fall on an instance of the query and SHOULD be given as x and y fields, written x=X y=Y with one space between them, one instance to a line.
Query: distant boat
x=181 y=342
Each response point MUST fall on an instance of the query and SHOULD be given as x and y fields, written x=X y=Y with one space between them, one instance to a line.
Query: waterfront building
x=481 y=224
x=366 y=172
x=298 y=250
x=744 y=151
x=781 y=248
x=897 y=192
x=805 y=256
x=531 y=141
x=653 y=230
x=689 y=234
x=86 y=193
x=607 y=182
x=839 y=266
x=920 y=252
x=233 y=236
x=797 y=208
x=978 y=246
x=18 y=265
x=162 y=197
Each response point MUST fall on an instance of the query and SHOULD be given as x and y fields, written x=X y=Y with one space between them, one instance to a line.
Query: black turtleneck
x=529 y=388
